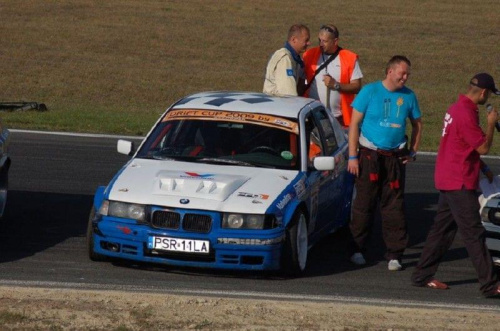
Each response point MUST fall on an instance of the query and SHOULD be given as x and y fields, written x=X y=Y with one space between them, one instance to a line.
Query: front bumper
x=233 y=249
x=492 y=238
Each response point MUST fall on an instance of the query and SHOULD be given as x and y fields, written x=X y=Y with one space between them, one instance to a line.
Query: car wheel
x=295 y=249
x=90 y=240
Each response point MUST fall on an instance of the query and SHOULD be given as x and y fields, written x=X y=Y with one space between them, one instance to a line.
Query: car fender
x=289 y=200
x=99 y=197
x=290 y=210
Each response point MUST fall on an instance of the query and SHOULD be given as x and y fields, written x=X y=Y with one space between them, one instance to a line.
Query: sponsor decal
x=286 y=199
x=287 y=155
x=123 y=190
x=233 y=116
x=254 y=196
x=124 y=229
x=300 y=188
x=194 y=174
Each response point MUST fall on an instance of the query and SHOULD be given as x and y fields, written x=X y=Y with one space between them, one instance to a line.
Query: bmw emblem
x=184 y=201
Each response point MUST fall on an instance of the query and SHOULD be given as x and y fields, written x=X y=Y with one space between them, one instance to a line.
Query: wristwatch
x=336 y=86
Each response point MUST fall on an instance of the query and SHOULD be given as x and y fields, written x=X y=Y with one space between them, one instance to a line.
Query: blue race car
x=227 y=180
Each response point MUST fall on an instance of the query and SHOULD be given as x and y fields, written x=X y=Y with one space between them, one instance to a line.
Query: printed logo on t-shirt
x=399 y=103
x=289 y=72
x=386 y=124
x=447 y=121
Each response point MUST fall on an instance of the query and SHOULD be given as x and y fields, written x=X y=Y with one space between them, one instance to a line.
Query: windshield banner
x=231 y=116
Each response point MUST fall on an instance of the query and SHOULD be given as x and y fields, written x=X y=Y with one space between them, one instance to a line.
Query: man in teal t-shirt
x=378 y=127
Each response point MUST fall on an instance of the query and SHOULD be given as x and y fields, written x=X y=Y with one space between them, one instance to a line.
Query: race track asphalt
x=42 y=238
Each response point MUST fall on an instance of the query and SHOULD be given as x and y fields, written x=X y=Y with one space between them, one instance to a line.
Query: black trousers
x=457 y=211
x=368 y=194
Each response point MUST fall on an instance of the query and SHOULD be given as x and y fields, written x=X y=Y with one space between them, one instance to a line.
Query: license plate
x=179 y=245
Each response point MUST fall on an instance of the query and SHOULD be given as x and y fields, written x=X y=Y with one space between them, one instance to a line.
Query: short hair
x=396 y=59
x=296 y=30
x=331 y=29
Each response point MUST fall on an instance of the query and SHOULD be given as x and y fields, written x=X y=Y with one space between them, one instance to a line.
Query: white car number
x=179 y=245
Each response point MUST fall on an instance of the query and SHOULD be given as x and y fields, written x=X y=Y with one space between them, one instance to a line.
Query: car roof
x=250 y=102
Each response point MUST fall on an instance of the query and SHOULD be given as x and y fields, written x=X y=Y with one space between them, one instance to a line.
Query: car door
x=318 y=143
x=331 y=195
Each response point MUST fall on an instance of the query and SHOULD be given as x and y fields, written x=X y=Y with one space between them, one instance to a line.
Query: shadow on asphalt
x=36 y=221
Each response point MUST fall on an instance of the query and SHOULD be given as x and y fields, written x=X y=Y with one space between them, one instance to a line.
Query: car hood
x=199 y=186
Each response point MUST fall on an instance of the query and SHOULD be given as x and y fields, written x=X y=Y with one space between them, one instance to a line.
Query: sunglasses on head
x=329 y=29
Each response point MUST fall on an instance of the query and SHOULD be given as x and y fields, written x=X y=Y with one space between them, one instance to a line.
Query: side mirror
x=324 y=163
x=125 y=147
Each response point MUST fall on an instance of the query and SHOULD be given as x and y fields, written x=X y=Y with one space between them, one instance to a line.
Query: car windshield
x=221 y=137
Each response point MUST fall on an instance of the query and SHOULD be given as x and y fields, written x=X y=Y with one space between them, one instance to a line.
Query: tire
x=295 y=249
x=90 y=240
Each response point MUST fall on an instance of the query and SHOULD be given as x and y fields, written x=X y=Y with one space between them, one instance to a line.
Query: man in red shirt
x=457 y=177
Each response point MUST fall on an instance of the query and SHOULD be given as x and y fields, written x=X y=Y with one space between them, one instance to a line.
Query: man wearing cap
x=457 y=177
x=285 y=69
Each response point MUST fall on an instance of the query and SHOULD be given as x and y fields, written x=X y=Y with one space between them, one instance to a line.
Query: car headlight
x=248 y=221
x=491 y=215
x=123 y=210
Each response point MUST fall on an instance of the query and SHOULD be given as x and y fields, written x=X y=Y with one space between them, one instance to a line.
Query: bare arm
x=486 y=171
x=353 y=164
x=350 y=88
x=490 y=131
x=416 y=134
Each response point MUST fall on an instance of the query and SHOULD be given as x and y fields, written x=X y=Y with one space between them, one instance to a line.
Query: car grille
x=197 y=223
x=166 y=219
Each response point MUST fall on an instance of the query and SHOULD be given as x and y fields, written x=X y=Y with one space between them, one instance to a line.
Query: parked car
x=4 y=166
x=490 y=216
x=227 y=180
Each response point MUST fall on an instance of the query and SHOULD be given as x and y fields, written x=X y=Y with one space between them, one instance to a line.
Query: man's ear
x=484 y=93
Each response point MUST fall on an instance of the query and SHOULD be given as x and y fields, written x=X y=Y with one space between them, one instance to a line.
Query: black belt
x=391 y=152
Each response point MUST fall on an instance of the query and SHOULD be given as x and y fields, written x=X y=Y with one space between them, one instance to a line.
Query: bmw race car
x=227 y=180
x=489 y=201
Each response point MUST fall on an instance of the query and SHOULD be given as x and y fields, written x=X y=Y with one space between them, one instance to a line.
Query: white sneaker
x=394 y=265
x=358 y=259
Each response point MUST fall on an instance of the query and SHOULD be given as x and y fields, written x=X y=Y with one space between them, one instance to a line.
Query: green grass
x=7 y=317
x=114 y=66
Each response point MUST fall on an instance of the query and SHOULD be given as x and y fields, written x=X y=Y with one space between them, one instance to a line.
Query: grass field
x=114 y=66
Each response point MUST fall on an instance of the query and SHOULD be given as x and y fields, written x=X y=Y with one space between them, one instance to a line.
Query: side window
x=314 y=144
x=328 y=134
